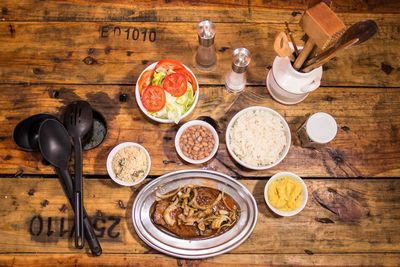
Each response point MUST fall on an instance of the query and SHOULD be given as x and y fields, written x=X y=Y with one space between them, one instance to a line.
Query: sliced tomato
x=189 y=77
x=169 y=64
x=153 y=98
x=145 y=80
x=175 y=84
x=179 y=68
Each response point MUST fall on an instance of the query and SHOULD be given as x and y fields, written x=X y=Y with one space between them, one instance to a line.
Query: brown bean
x=197 y=142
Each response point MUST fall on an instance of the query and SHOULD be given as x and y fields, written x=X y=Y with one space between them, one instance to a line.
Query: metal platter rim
x=137 y=223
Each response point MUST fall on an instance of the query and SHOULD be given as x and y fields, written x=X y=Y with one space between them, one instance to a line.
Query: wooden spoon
x=362 y=31
x=329 y=56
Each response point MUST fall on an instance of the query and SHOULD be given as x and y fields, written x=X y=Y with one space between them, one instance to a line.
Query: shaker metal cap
x=206 y=33
x=241 y=58
x=321 y=127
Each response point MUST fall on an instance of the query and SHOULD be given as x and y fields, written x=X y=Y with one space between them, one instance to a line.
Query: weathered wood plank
x=340 y=6
x=365 y=218
x=367 y=143
x=99 y=53
x=178 y=10
x=40 y=260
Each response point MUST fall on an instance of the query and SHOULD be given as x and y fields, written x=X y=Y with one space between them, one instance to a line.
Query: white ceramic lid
x=321 y=127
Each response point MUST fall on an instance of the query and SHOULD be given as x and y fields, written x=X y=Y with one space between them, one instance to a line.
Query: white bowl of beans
x=196 y=142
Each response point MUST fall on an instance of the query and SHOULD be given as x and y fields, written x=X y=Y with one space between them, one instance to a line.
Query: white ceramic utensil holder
x=289 y=86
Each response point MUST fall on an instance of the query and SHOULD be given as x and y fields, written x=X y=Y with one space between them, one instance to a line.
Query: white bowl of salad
x=167 y=91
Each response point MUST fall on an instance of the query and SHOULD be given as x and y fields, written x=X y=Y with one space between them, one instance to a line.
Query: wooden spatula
x=281 y=46
x=322 y=26
x=329 y=55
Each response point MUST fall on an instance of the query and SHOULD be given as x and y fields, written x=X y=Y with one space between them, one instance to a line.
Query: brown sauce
x=205 y=197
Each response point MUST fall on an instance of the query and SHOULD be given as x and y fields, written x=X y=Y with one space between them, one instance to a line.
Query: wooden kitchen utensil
x=362 y=30
x=290 y=34
x=281 y=46
x=329 y=56
x=322 y=26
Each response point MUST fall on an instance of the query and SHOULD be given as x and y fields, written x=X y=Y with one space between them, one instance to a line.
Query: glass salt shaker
x=235 y=79
x=206 y=56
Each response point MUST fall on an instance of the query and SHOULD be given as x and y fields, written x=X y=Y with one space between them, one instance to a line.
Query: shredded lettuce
x=162 y=114
x=175 y=107
x=187 y=99
x=174 y=112
x=158 y=78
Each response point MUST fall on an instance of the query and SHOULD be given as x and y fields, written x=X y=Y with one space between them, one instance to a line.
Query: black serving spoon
x=54 y=143
x=26 y=133
x=78 y=119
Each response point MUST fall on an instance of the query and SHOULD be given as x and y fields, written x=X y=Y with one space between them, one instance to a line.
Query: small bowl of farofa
x=128 y=164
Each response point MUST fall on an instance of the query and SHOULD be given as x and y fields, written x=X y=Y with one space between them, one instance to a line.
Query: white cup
x=319 y=129
x=289 y=86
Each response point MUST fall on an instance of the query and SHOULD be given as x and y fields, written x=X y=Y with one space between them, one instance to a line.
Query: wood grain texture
x=323 y=227
x=367 y=143
x=79 y=50
x=76 y=52
x=193 y=11
x=40 y=260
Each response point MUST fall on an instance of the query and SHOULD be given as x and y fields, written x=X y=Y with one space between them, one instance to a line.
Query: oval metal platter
x=195 y=248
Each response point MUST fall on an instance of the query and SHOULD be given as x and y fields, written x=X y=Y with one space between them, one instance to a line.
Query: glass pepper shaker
x=206 y=56
x=235 y=79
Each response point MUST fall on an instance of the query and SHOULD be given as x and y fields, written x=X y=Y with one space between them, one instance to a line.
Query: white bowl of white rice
x=128 y=164
x=258 y=138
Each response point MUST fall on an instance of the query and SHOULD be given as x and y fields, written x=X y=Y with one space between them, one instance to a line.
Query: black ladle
x=26 y=133
x=54 y=143
x=78 y=119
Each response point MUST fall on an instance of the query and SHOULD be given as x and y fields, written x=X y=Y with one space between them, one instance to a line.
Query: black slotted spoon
x=78 y=119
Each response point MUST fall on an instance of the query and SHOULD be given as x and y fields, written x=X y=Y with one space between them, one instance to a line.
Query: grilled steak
x=195 y=219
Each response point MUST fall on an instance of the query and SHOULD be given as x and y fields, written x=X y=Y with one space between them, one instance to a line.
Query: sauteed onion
x=195 y=211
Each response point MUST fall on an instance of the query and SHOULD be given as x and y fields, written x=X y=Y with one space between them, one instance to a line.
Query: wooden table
x=54 y=52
